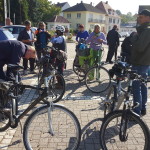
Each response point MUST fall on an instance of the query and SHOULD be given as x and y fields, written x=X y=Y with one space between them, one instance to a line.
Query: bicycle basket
x=83 y=52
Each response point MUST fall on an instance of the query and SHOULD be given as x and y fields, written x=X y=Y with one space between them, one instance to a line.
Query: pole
x=9 y=7
x=5 y=10
x=14 y=18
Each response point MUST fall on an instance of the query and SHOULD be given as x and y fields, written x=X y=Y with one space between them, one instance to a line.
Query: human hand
x=100 y=40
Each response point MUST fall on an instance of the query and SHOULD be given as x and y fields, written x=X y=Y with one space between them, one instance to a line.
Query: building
x=57 y=20
x=86 y=14
x=141 y=7
x=128 y=27
x=63 y=6
x=111 y=16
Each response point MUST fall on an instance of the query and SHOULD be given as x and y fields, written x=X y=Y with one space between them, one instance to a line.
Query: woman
x=42 y=38
x=96 y=39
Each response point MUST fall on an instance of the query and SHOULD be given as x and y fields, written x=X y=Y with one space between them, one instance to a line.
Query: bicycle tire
x=96 y=84
x=57 y=87
x=109 y=133
x=4 y=121
x=35 y=125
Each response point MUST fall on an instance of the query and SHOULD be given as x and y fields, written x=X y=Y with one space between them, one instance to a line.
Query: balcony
x=96 y=20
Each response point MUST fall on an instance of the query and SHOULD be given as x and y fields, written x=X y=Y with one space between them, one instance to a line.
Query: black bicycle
x=124 y=128
x=47 y=65
x=50 y=126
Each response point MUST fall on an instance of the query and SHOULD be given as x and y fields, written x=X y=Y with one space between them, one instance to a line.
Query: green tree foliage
x=41 y=10
x=1 y=11
x=20 y=9
x=125 y=18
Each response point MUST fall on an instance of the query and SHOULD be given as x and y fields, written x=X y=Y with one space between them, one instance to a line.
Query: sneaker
x=143 y=112
x=25 y=72
x=32 y=72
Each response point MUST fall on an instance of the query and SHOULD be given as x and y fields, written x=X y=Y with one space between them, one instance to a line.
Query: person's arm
x=90 y=38
x=57 y=40
x=143 y=41
x=102 y=38
x=77 y=36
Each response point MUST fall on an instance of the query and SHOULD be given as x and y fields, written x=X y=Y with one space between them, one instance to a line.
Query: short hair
x=41 y=23
x=81 y=26
x=27 y=22
x=115 y=26
x=97 y=25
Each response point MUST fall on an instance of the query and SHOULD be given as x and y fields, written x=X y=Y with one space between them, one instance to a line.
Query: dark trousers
x=31 y=61
x=112 y=49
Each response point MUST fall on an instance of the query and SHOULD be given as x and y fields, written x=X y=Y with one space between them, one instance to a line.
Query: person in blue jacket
x=82 y=34
x=11 y=52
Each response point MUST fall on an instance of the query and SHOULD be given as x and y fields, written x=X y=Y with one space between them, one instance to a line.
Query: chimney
x=106 y=2
x=91 y=3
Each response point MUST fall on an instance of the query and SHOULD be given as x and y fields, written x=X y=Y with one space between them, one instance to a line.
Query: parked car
x=6 y=35
x=16 y=29
x=124 y=34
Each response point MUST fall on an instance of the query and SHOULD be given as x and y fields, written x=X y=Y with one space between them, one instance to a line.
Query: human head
x=81 y=27
x=30 y=52
x=115 y=27
x=97 y=28
x=41 y=25
x=60 y=30
x=143 y=16
x=133 y=34
x=27 y=23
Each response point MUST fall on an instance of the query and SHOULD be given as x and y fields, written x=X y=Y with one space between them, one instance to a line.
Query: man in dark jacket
x=27 y=36
x=140 y=59
x=113 y=43
x=11 y=52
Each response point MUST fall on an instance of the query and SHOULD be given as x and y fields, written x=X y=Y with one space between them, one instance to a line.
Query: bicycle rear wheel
x=65 y=126
x=97 y=79
x=137 y=131
x=4 y=121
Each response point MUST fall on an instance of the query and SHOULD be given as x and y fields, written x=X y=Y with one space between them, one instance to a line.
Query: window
x=113 y=20
x=68 y=16
x=110 y=20
x=78 y=15
x=91 y=26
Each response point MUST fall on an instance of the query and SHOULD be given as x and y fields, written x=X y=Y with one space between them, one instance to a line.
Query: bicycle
x=116 y=92
x=124 y=128
x=81 y=61
x=47 y=65
x=50 y=126
x=97 y=78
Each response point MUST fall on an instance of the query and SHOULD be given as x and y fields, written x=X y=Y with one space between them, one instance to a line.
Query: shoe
x=143 y=112
x=32 y=72
x=25 y=72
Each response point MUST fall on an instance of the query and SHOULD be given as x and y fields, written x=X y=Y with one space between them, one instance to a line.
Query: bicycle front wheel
x=65 y=126
x=97 y=79
x=137 y=132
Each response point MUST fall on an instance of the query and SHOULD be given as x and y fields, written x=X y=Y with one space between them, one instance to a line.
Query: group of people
x=27 y=46
x=135 y=49
x=138 y=50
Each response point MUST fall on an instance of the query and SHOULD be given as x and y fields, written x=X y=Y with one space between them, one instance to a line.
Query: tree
x=41 y=10
x=1 y=12
x=118 y=12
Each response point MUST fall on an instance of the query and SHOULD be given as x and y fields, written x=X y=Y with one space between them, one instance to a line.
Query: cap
x=145 y=12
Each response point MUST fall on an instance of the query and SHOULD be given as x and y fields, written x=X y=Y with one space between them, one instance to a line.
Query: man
x=11 y=52
x=113 y=43
x=140 y=59
x=42 y=38
x=82 y=34
x=27 y=37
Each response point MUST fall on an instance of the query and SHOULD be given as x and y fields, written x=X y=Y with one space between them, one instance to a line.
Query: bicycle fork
x=51 y=130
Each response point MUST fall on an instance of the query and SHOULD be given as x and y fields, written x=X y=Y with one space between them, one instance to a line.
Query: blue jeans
x=140 y=89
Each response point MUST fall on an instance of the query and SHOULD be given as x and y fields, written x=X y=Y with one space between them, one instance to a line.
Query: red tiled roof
x=58 y=19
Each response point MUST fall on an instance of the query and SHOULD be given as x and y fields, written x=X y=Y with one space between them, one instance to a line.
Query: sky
x=124 y=6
